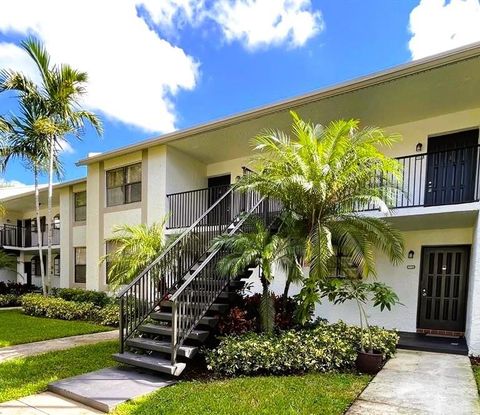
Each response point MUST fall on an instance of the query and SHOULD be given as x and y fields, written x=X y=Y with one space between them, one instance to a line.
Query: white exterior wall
x=403 y=281
x=472 y=332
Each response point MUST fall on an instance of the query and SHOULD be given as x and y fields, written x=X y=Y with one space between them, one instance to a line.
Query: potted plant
x=339 y=290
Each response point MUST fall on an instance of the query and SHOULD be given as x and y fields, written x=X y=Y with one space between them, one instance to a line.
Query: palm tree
x=58 y=94
x=323 y=176
x=22 y=137
x=256 y=247
x=132 y=248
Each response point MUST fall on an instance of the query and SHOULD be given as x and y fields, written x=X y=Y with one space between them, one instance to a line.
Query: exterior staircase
x=171 y=308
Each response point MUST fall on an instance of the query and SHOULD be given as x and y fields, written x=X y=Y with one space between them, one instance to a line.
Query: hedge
x=322 y=348
x=55 y=307
x=10 y=300
x=98 y=298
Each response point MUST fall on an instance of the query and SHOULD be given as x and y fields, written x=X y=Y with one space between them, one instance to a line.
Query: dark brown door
x=217 y=187
x=28 y=271
x=443 y=288
x=451 y=168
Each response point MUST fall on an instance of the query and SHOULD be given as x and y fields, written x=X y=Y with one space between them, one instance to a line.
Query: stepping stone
x=107 y=388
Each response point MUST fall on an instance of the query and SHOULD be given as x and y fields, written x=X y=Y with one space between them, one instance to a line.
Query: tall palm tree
x=323 y=175
x=133 y=247
x=256 y=247
x=60 y=89
x=22 y=137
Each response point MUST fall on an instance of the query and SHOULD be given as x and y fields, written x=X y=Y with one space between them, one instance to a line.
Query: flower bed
x=322 y=348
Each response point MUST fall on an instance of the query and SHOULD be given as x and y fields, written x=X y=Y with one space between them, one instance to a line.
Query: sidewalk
x=30 y=349
x=421 y=383
x=45 y=403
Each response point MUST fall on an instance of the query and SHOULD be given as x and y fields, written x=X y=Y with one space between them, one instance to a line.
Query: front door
x=27 y=267
x=217 y=187
x=451 y=168
x=443 y=288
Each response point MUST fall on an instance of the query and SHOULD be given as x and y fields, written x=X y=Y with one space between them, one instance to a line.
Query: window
x=124 y=185
x=80 y=265
x=35 y=261
x=80 y=206
x=56 y=266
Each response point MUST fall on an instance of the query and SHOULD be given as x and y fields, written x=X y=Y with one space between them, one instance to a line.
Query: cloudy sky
x=160 y=65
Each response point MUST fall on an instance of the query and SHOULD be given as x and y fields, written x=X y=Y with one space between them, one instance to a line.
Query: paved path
x=30 y=349
x=421 y=383
x=45 y=403
x=10 y=308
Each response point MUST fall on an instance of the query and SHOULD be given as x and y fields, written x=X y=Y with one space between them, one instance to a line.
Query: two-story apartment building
x=434 y=104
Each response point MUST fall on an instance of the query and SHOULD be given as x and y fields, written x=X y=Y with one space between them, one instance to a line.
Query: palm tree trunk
x=49 y=214
x=39 y=230
x=285 y=293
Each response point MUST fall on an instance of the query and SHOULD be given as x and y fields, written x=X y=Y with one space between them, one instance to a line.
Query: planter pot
x=370 y=363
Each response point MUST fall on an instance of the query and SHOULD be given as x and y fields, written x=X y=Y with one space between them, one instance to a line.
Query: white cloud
x=259 y=23
x=253 y=23
x=439 y=25
x=65 y=147
x=133 y=73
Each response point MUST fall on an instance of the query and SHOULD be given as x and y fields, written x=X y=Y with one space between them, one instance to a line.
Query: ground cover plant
x=18 y=328
x=325 y=347
x=314 y=393
x=26 y=376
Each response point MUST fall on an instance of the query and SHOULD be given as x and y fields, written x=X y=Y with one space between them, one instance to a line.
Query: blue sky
x=159 y=65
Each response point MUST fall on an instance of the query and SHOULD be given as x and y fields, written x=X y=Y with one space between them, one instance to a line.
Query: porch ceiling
x=26 y=203
x=444 y=220
x=438 y=91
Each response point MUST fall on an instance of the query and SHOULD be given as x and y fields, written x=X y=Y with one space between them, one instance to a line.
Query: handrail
x=206 y=283
x=211 y=255
x=176 y=242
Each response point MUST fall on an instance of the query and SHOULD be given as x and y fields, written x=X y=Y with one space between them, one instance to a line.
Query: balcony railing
x=428 y=179
x=21 y=237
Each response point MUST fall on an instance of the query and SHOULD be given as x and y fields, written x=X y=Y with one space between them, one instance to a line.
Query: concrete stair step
x=164 y=316
x=150 y=362
x=199 y=335
x=217 y=307
x=145 y=343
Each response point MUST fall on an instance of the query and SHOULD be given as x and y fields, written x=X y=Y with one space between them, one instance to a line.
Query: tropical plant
x=323 y=176
x=22 y=137
x=255 y=247
x=133 y=247
x=57 y=98
x=8 y=261
x=339 y=290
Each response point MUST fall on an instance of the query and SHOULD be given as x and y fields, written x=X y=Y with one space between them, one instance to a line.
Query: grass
x=476 y=373
x=26 y=376
x=18 y=328
x=315 y=393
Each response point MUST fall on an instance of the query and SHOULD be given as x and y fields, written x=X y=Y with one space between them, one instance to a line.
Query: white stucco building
x=434 y=104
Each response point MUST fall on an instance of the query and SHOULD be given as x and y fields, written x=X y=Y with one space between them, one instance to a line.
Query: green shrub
x=322 y=348
x=10 y=300
x=78 y=295
x=108 y=315
x=53 y=307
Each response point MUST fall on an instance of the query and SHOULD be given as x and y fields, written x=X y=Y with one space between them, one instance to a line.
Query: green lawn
x=316 y=393
x=476 y=373
x=26 y=376
x=17 y=328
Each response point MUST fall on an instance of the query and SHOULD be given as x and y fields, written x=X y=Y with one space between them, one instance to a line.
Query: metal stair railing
x=199 y=291
x=167 y=271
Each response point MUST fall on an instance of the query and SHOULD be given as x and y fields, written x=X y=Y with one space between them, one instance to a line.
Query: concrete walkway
x=45 y=403
x=30 y=349
x=421 y=383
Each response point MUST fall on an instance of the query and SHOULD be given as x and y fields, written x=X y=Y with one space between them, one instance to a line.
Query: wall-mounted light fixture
x=419 y=147
x=411 y=254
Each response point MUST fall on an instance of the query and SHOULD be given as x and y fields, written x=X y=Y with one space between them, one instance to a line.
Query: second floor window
x=80 y=206
x=124 y=185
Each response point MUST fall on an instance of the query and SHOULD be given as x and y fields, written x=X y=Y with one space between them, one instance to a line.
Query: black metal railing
x=436 y=178
x=168 y=271
x=22 y=237
x=197 y=293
